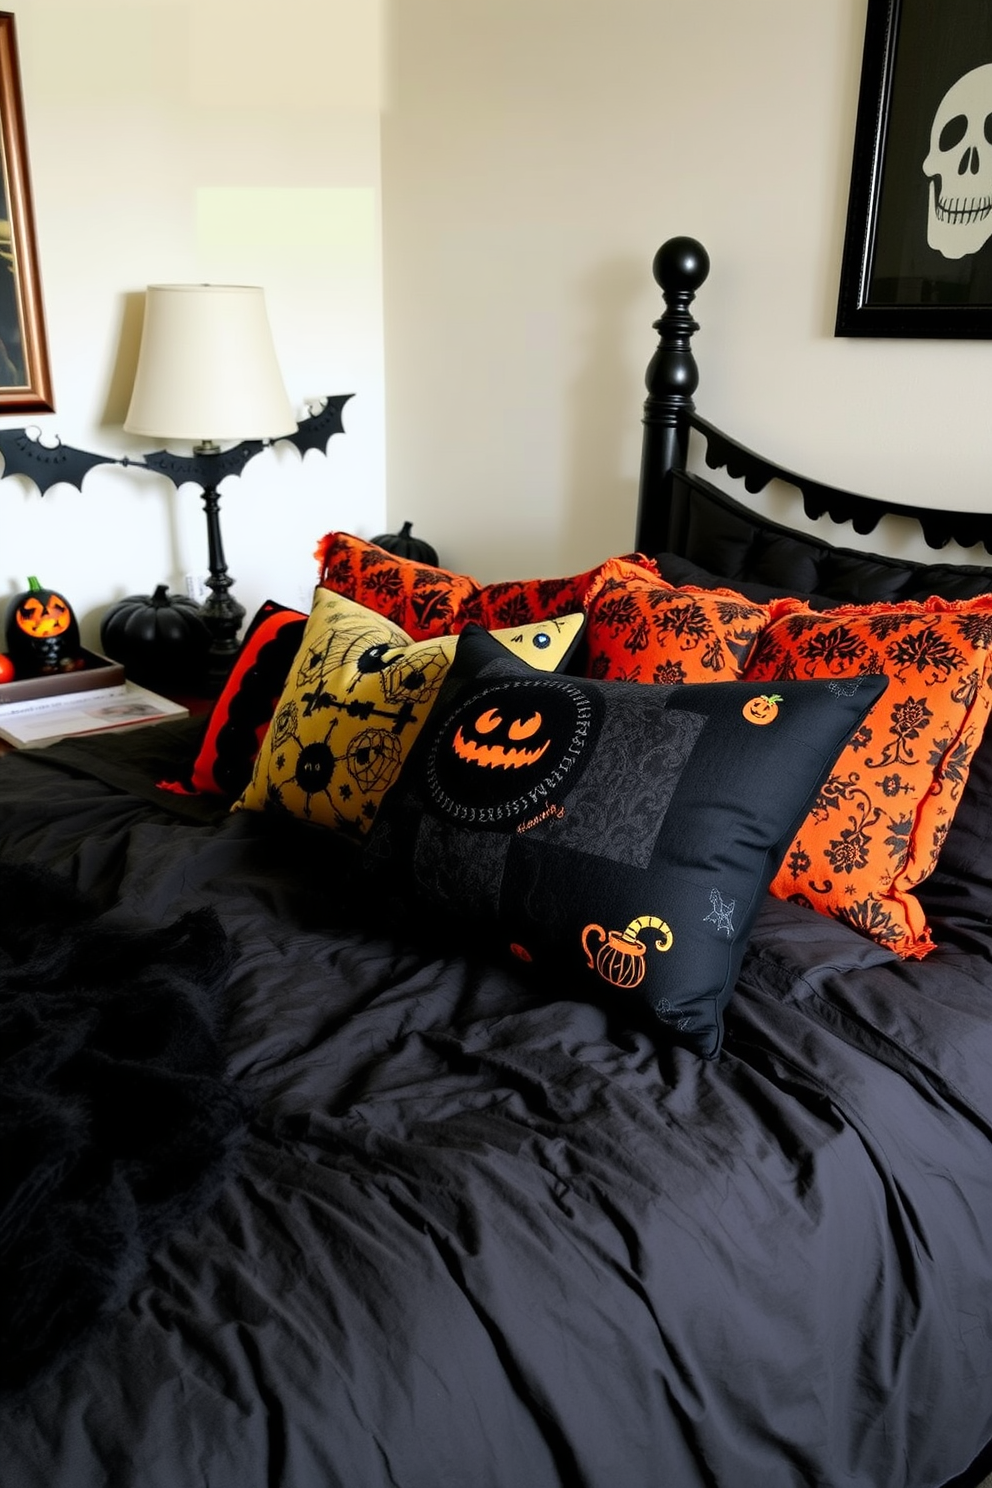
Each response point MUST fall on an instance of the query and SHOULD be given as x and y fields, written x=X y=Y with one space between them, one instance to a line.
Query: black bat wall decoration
x=49 y=465
x=205 y=469
x=315 y=431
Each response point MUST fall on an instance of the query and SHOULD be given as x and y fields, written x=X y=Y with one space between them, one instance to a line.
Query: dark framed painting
x=25 y=379
x=917 y=255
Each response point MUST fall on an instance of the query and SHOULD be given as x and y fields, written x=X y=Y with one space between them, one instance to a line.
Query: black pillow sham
x=615 y=836
x=682 y=571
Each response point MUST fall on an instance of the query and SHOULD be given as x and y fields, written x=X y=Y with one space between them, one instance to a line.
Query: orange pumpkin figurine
x=41 y=633
x=762 y=709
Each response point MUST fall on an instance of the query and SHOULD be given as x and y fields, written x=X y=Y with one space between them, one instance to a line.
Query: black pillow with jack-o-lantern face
x=509 y=748
x=620 y=836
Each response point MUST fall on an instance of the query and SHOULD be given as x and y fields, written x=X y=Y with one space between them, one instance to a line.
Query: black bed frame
x=672 y=499
x=680 y=268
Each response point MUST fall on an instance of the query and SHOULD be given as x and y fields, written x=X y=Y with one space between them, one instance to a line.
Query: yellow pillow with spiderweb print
x=357 y=695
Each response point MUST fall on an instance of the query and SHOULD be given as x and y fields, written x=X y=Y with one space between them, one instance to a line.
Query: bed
x=390 y=1135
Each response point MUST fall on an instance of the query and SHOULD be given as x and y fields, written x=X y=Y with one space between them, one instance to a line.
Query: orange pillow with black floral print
x=428 y=601
x=641 y=629
x=420 y=598
x=878 y=823
x=521 y=601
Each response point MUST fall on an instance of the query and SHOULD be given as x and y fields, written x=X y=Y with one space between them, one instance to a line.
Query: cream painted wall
x=530 y=156
x=535 y=154
x=201 y=140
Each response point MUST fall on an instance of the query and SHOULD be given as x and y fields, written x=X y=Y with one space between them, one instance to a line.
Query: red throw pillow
x=641 y=629
x=244 y=709
x=882 y=815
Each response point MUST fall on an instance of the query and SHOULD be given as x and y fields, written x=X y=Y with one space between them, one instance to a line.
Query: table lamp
x=207 y=372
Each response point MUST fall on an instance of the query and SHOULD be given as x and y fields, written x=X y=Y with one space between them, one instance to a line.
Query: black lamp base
x=221 y=612
x=223 y=617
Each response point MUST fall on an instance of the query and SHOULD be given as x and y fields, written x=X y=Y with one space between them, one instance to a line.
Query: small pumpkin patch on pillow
x=876 y=828
x=357 y=695
x=641 y=629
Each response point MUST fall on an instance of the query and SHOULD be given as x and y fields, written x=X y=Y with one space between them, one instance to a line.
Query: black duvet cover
x=481 y=1234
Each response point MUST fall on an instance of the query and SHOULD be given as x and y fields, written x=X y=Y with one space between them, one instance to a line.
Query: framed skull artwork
x=918 y=248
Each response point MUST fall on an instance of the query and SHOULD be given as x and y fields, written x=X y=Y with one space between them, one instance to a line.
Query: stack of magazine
x=36 y=711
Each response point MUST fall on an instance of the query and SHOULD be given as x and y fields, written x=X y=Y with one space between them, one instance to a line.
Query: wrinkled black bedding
x=117 y=1121
x=491 y=1236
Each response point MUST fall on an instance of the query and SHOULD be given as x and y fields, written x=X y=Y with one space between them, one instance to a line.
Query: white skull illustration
x=959 y=165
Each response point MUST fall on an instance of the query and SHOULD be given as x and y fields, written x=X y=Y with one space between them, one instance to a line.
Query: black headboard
x=682 y=514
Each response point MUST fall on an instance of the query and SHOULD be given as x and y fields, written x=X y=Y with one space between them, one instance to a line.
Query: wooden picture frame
x=917 y=259
x=25 y=378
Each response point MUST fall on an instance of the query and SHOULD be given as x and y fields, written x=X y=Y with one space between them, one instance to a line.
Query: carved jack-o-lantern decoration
x=41 y=633
x=762 y=709
x=508 y=747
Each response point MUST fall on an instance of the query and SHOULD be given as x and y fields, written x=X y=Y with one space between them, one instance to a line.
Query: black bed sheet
x=490 y=1233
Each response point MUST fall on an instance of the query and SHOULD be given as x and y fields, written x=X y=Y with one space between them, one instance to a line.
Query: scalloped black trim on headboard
x=680 y=268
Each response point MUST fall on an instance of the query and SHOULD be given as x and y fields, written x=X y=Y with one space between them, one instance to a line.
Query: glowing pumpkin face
x=508 y=747
x=41 y=632
x=43 y=614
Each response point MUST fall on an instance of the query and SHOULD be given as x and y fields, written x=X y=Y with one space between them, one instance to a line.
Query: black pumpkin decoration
x=42 y=634
x=161 y=639
x=403 y=545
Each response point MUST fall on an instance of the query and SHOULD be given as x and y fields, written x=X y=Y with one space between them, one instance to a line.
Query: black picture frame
x=894 y=280
x=25 y=377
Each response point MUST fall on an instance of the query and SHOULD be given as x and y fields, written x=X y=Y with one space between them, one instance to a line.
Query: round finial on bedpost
x=680 y=267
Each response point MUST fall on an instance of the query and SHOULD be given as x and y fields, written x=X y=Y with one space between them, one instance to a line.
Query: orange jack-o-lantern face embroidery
x=499 y=745
x=40 y=617
x=507 y=748
x=762 y=709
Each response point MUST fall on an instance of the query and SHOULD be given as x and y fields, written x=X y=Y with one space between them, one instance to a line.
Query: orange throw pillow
x=879 y=821
x=420 y=598
x=429 y=602
x=641 y=629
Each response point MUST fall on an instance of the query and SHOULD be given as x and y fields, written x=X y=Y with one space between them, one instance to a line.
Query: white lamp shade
x=207 y=367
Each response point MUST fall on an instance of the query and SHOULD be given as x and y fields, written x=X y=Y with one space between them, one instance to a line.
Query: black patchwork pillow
x=618 y=835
